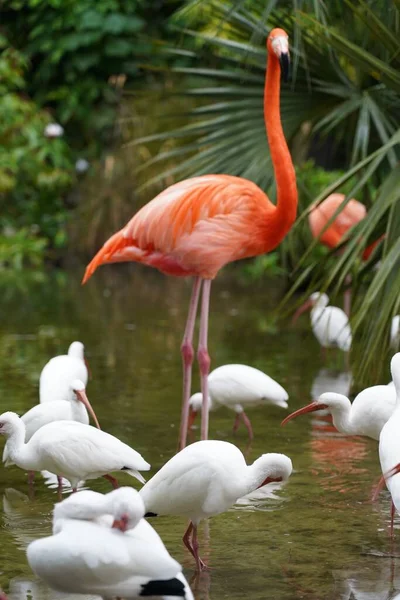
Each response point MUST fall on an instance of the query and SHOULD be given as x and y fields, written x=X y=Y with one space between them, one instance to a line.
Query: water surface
x=316 y=537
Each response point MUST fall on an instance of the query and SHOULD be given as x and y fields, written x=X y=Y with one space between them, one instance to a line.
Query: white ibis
x=395 y=333
x=101 y=545
x=57 y=374
x=71 y=450
x=238 y=387
x=368 y=413
x=330 y=324
x=389 y=445
x=205 y=479
x=59 y=410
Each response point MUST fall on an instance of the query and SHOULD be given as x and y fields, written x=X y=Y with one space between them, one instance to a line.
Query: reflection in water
x=131 y=324
x=21 y=588
x=328 y=380
x=375 y=579
x=20 y=518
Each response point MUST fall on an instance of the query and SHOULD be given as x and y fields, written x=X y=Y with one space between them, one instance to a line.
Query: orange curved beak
x=85 y=360
x=269 y=480
x=81 y=395
x=121 y=524
x=306 y=306
x=192 y=418
x=313 y=407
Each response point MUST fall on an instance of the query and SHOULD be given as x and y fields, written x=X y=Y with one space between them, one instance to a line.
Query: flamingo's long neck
x=285 y=212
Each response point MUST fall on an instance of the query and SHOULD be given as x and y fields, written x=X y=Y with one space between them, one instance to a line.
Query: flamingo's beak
x=314 y=406
x=192 y=418
x=85 y=360
x=284 y=60
x=270 y=480
x=81 y=395
x=122 y=523
x=306 y=306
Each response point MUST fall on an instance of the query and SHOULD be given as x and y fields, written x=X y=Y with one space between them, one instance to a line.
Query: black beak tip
x=285 y=66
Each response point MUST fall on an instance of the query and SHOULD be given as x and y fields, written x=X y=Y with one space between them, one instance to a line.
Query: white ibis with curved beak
x=366 y=416
x=238 y=387
x=102 y=545
x=71 y=450
x=205 y=479
x=389 y=446
x=57 y=374
x=59 y=410
x=330 y=324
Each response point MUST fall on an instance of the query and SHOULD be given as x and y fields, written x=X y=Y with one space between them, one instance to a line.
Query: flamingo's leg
x=246 y=421
x=187 y=358
x=200 y=565
x=203 y=357
x=112 y=480
x=236 y=423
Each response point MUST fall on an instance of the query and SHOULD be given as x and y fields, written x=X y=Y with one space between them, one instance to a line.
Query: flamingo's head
x=278 y=44
x=78 y=387
x=126 y=506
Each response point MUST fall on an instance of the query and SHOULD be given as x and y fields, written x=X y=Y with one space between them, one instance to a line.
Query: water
x=317 y=537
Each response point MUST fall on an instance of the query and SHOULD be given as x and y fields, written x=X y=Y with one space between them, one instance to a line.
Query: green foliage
x=34 y=171
x=342 y=109
x=21 y=249
x=75 y=47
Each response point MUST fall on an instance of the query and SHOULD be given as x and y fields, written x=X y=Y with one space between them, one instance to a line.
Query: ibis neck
x=341 y=417
x=16 y=447
x=256 y=475
x=285 y=177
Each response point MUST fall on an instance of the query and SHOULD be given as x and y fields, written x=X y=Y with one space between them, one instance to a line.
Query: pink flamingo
x=197 y=226
x=351 y=215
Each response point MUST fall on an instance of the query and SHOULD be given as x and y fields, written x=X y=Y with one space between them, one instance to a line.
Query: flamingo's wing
x=196 y=221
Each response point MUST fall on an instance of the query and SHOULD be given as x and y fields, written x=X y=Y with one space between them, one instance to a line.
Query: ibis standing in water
x=366 y=416
x=330 y=324
x=71 y=450
x=389 y=445
x=205 y=479
x=238 y=387
x=59 y=410
x=102 y=545
x=57 y=374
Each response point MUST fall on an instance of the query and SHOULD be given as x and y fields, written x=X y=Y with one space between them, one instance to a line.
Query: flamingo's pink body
x=197 y=226
x=353 y=213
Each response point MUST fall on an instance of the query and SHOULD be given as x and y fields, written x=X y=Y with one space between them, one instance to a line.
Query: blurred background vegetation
x=150 y=93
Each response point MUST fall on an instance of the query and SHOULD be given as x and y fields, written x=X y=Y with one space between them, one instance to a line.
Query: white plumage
x=395 y=333
x=59 y=410
x=330 y=324
x=367 y=415
x=57 y=374
x=238 y=387
x=86 y=554
x=205 y=479
x=389 y=441
x=70 y=449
